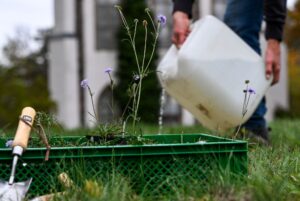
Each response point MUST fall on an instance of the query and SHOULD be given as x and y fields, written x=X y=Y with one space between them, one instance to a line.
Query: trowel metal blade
x=15 y=192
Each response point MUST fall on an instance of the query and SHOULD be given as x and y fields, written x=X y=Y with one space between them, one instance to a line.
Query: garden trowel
x=16 y=191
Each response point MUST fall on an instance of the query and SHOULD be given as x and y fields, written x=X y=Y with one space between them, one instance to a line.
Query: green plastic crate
x=152 y=168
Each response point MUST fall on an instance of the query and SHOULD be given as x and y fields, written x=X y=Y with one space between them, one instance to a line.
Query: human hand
x=181 y=24
x=272 y=60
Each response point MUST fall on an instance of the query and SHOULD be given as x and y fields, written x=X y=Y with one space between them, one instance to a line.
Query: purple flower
x=9 y=143
x=162 y=19
x=84 y=83
x=108 y=70
x=251 y=91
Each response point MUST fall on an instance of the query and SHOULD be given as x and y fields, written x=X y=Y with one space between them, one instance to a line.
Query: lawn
x=274 y=173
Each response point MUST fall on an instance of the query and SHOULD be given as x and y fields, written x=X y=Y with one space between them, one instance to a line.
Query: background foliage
x=292 y=38
x=23 y=80
x=292 y=29
x=149 y=105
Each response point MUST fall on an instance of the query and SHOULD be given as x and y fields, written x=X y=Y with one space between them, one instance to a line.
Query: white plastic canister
x=207 y=75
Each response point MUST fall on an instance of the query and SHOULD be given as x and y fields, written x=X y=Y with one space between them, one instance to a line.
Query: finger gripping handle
x=24 y=127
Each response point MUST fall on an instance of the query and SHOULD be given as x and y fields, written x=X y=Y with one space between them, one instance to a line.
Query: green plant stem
x=244 y=110
x=238 y=130
x=247 y=104
x=134 y=105
x=135 y=54
x=132 y=39
x=139 y=89
x=153 y=49
x=93 y=105
x=112 y=102
x=142 y=69
x=122 y=117
x=147 y=10
x=135 y=26
x=145 y=45
x=112 y=93
x=143 y=72
x=245 y=98
x=138 y=102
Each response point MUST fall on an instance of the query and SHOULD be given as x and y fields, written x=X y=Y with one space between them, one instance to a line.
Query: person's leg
x=244 y=17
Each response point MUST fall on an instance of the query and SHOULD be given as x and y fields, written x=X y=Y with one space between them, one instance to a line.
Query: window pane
x=107 y=24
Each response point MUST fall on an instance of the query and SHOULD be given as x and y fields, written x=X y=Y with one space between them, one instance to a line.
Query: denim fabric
x=244 y=17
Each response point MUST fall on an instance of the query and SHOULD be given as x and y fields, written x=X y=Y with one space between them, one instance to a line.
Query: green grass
x=274 y=173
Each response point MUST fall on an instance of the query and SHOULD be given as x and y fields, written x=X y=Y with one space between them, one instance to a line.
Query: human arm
x=182 y=12
x=275 y=14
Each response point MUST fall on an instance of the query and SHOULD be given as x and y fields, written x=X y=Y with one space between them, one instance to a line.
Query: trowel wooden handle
x=24 y=127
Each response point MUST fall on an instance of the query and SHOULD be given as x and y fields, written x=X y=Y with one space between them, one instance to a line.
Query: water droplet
x=161 y=110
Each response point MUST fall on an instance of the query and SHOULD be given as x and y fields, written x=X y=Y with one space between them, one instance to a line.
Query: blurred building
x=82 y=45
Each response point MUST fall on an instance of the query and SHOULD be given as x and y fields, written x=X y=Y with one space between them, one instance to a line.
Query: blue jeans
x=244 y=17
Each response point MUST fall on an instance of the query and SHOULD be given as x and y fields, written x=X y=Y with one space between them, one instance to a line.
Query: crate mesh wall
x=150 y=174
